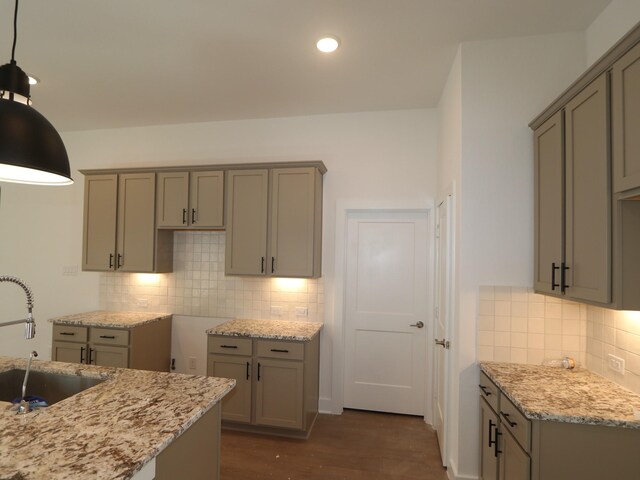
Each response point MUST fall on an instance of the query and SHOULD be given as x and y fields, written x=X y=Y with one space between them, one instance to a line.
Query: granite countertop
x=109 y=431
x=102 y=318
x=572 y=396
x=268 y=329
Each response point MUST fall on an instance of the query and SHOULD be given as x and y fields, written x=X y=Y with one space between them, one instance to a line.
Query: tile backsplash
x=612 y=332
x=197 y=286
x=517 y=325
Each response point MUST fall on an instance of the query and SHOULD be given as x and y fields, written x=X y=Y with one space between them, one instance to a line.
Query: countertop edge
x=574 y=419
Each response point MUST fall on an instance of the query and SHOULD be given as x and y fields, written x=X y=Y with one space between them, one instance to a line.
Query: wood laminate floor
x=353 y=446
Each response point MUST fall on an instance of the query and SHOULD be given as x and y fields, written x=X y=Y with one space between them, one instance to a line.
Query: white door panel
x=442 y=321
x=386 y=293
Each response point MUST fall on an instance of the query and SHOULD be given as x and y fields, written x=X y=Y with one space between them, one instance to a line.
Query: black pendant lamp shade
x=31 y=150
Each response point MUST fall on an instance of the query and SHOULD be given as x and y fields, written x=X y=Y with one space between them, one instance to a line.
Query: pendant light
x=31 y=150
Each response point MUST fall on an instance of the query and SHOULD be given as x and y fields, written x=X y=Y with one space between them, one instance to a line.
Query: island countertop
x=268 y=329
x=109 y=431
x=103 y=318
x=558 y=394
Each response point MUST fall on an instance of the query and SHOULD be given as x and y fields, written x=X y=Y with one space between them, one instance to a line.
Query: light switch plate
x=302 y=311
x=276 y=310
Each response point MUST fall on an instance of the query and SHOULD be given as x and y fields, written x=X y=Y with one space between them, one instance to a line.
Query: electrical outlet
x=276 y=310
x=70 y=270
x=302 y=311
x=142 y=302
x=192 y=363
x=615 y=363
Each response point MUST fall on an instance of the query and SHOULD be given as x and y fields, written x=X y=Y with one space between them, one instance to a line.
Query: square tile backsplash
x=198 y=286
x=517 y=325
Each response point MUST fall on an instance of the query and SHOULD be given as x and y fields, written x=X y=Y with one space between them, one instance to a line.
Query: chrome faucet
x=29 y=322
x=23 y=407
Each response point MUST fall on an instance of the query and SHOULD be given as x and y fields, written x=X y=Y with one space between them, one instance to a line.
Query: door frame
x=344 y=211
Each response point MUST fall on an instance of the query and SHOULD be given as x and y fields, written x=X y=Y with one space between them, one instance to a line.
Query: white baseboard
x=327 y=405
x=452 y=473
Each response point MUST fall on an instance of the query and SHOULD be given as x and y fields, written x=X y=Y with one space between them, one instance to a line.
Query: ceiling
x=121 y=63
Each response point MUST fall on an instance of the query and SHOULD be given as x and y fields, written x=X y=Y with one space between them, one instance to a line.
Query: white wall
x=611 y=25
x=504 y=84
x=388 y=156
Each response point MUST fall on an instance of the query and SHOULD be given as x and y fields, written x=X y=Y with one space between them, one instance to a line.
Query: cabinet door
x=588 y=195
x=488 y=437
x=99 y=235
x=236 y=406
x=625 y=110
x=106 y=356
x=172 y=205
x=136 y=222
x=279 y=393
x=247 y=206
x=515 y=464
x=207 y=199
x=293 y=222
x=549 y=204
x=68 y=352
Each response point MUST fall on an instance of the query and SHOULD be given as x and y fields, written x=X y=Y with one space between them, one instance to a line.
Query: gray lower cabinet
x=277 y=383
x=145 y=347
x=488 y=442
x=523 y=449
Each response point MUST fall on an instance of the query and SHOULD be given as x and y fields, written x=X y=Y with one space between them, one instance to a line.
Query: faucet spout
x=24 y=405
x=29 y=322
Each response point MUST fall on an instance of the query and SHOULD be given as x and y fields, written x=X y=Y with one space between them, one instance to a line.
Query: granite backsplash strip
x=198 y=286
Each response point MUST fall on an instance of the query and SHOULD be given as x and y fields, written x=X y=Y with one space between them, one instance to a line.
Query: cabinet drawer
x=65 y=333
x=489 y=391
x=516 y=423
x=109 y=336
x=229 y=345
x=279 y=349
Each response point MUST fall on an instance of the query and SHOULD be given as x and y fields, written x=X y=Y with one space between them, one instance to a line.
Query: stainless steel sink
x=53 y=387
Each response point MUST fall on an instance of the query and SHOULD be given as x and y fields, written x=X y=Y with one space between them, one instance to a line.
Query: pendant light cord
x=15 y=33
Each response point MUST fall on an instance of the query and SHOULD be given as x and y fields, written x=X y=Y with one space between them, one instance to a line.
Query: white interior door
x=441 y=330
x=386 y=312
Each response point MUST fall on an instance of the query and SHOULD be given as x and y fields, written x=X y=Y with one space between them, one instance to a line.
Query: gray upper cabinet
x=625 y=111
x=549 y=203
x=247 y=209
x=136 y=226
x=296 y=215
x=190 y=200
x=119 y=225
x=573 y=199
x=100 y=210
x=588 y=195
x=587 y=184
x=274 y=222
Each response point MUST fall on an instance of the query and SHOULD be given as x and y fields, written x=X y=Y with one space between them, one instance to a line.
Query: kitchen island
x=549 y=423
x=132 y=420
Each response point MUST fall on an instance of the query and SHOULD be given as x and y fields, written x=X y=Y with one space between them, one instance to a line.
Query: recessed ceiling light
x=328 y=44
x=33 y=80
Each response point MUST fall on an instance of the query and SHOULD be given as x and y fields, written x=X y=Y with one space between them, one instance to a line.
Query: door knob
x=419 y=325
